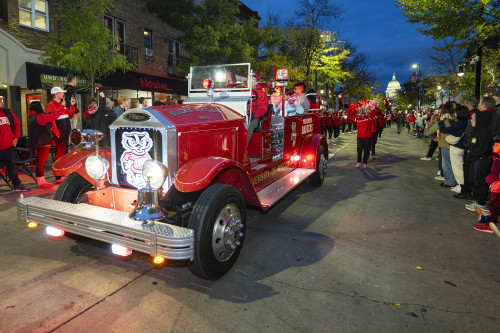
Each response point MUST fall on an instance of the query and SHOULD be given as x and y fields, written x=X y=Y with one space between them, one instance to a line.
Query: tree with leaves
x=83 y=44
x=327 y=63
x=361 y=82
x=215 y=31
x=460 y=20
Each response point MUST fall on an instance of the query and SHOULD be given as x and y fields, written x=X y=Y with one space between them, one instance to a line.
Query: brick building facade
x=21 y=41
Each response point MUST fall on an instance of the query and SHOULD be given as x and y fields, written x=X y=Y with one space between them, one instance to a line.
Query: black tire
x=218 y=216
x=318 y=176
x=73 y=188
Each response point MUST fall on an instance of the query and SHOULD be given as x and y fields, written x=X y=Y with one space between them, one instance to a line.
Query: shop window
x=117 y=28
x=174 y=52
x=148 y=42
x=3 y=11
x=34 y=14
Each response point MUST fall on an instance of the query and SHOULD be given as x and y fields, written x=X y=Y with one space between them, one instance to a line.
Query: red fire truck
x=177 y=179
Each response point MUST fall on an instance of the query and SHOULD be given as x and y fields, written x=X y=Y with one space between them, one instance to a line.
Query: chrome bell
x=147 y=208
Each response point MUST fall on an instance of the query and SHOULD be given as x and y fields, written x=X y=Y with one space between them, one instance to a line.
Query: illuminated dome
x=392 y=88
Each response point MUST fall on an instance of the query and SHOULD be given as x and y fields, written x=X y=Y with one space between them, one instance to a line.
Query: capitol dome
x=392 y=88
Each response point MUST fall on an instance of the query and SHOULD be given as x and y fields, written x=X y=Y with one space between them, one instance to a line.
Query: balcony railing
x=129 y=52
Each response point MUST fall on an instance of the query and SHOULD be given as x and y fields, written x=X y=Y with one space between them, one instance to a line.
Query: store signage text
x=153 y=84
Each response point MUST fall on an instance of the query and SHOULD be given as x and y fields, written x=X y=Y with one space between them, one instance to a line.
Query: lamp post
x=417 y=66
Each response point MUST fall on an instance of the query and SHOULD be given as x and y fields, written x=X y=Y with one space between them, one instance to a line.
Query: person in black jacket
x=466 y=190
x=480 y=151
x=70 y=95
x=457 y=129
x=40 y=135
x=105 y=116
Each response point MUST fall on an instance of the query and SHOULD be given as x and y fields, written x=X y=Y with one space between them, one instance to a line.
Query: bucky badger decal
x=137 y=146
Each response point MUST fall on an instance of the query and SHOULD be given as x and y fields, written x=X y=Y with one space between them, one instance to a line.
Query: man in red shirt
x=10 y=131
x=61 y=128
x=364 y=135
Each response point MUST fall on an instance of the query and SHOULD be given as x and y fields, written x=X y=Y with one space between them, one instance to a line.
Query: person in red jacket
x=259 y=106
x=61 y=127
x=10 y=131
x=40 y=134
x=322 y=122
x=364 y=135
x=336 y=124
x=329 y=124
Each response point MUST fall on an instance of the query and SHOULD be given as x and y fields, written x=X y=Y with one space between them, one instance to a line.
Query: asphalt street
x=381 y=249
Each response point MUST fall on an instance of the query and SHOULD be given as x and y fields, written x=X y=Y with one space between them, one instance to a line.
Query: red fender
x=309 y=150
x=198 y=173
x=75 y=162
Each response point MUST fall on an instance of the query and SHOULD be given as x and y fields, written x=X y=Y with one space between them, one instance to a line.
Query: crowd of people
x=467 y=139
x=50 y=126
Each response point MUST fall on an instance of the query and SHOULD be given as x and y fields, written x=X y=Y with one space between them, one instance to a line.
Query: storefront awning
x=45 y=77
x=145 y=82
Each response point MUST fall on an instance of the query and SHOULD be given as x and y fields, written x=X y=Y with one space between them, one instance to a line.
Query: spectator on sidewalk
x=40 y=135
x=90 y=115
x=70 y=95
x=143 y=102
x=105 y=117
x=444 y=146
x=162 y=100
x=122 y=106
x=10 y=131
x=134 y=103
x=457 y=129
x=480 y=152
x=493 y=179
x=466 y=190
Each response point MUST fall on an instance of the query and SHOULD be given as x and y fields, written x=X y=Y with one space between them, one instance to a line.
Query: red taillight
x=208 y=83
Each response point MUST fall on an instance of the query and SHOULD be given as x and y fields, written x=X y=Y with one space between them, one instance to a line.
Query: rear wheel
x=318 y=177
x=218 y=220
x=73 y=189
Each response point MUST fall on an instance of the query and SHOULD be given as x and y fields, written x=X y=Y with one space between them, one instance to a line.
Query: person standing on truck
x=259 y=106
x=299 y=98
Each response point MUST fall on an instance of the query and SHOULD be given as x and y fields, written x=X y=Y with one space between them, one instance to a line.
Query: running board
x=271 y=194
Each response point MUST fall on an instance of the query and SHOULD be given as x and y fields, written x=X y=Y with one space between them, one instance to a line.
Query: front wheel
x=318 y=176
x=73 y=189
x=218 y=220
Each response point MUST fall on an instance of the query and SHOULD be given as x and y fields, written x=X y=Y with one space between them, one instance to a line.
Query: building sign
x=146 y=82
x=45 y=77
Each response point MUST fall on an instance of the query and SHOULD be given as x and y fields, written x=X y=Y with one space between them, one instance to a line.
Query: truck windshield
x=225 y=77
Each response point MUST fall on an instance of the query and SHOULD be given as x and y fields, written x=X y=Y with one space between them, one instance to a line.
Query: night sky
x=377 y=28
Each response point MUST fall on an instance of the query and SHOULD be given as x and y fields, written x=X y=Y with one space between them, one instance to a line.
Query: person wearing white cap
x=61 y=128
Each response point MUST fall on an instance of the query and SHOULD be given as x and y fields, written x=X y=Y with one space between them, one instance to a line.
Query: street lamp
x=460 y=70
x=417 y=66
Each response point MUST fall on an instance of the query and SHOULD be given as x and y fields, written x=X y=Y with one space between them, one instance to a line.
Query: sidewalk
x=9 y=197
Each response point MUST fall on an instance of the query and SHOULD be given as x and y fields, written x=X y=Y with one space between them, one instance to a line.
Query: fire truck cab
x=177 y=179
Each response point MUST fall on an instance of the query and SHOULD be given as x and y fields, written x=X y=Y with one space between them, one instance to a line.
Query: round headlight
x=155 y=173
x=96 y=166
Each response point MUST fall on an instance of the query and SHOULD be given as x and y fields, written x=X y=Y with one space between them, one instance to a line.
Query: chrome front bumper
x=110 y=226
